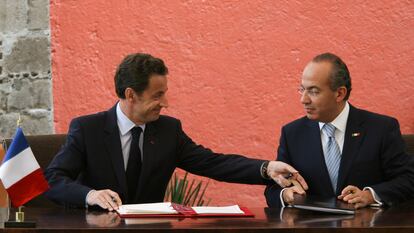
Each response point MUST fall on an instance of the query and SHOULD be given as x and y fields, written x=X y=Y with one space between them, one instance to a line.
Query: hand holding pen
x=295 y=188
x=106 y=199
x=283 y=174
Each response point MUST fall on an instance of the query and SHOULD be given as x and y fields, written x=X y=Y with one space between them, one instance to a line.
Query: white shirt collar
x=340 y=121
x=124 y=123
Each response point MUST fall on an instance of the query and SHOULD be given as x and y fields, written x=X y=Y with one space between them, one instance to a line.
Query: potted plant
x=182 y=191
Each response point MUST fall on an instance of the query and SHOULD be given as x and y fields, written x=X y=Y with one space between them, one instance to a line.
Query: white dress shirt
x=340 y=124
x=125 y=125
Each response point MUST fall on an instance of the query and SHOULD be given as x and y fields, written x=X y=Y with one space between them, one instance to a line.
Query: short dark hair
x=135 y=71
x=339 y=74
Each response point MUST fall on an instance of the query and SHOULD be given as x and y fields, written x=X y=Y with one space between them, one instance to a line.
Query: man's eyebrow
x=311 y=87
x=159 y=93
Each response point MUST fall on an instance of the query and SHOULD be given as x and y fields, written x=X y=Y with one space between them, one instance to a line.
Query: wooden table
x=398 y=219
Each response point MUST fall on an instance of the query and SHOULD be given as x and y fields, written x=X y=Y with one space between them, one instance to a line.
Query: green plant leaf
x=195 y=194
x=185 y=192
x=200 y=200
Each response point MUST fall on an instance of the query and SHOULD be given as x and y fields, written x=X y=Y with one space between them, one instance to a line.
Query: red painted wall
x=234 y=65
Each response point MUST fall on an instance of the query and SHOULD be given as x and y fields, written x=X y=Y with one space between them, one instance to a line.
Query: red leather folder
x=188 y=212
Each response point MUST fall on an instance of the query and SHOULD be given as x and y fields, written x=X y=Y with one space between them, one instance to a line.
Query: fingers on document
x=109 y=200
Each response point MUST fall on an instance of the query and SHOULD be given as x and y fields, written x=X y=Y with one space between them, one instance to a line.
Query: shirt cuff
x=86 y=198
x=377 y=199
x=281 y=198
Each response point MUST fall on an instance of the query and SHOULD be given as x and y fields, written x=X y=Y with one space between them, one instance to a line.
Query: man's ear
x=342 y=91
x=129 y=94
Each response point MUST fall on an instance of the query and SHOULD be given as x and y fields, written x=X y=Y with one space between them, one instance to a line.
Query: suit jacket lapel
x=113 y=145
x=315 y=149
x=149 y=150
x=354 y=136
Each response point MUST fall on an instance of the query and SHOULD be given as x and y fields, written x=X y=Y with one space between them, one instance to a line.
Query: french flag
x=20 y=173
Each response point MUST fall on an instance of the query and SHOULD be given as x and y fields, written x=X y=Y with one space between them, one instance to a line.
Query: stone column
x=25 y=78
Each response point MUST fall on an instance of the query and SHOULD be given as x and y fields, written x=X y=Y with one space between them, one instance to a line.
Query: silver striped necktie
x=332 y=155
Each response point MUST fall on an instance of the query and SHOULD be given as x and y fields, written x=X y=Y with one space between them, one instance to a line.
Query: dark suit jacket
x=92 y=159
x=373 y=155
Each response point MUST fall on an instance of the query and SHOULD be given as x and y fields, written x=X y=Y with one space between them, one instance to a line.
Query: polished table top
x=395 y=219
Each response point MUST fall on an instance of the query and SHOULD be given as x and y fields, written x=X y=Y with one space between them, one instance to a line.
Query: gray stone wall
x=25 y=78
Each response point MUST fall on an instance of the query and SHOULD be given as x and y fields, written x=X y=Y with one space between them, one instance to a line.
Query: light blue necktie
x=332 y=155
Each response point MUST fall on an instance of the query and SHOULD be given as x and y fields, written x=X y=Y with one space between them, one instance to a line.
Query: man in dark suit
x=342 y=151
x=128 y=153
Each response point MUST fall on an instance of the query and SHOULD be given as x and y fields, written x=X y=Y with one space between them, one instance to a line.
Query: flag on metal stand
x=20 y=172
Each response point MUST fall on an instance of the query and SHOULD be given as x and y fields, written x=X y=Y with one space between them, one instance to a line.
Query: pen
x=294 y=182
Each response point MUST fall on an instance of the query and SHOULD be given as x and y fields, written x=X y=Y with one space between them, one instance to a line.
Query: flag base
x=25 y=224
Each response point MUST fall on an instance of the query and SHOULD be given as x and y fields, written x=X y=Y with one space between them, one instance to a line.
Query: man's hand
x=288 y=193
x=107 y=199
x=283 y=174
x=354 y=195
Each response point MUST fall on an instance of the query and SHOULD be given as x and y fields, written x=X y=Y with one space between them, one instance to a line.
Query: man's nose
x=304 y=98
x=164 y=102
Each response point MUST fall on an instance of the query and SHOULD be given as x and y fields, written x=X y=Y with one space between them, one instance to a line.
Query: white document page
x=151 y=208
x=234 y=209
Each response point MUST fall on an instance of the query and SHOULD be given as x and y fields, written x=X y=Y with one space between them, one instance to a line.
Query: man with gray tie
x=355 y=155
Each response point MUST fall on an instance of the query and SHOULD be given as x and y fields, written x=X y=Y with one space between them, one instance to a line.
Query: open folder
x=168 y=209
x=322 y=204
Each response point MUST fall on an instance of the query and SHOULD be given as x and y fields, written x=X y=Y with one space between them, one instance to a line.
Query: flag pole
x=19 y=213
x=19 y=120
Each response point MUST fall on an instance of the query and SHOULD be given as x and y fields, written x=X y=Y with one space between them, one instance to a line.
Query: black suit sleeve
x=202 y=161
x=398 y=167
x=66 y=167
x=272 y=191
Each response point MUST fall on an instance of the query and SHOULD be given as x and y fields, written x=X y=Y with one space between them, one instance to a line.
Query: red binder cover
x=187 y=212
